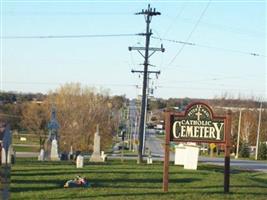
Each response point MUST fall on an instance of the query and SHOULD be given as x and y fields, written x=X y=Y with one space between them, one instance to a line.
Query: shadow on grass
x=220 y=169
x=99 y=183
x=157 y=195
x=123 y=183
x=80 y=172
x=260 y=180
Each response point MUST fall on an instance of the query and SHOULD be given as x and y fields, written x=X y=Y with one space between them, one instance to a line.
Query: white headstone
x=41 y=156
x=71 y=153
x=54 y=150
x=3 y=157
x=9 y=153
x=149 y=160
x=180 y=154
x=103 y=156
x=96 y=157
x=79 y=161
x=186 y=155
x=191 y=157
x=71 y=150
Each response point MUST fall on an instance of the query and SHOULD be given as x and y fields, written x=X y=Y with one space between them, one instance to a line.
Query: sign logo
x=197 y=124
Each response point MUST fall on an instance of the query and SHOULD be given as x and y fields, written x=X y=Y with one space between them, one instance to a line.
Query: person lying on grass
x=77 y=182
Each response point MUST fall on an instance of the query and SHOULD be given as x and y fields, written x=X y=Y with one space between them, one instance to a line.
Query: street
x=156 y=147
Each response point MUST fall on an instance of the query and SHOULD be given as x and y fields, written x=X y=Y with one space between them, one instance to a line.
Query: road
x=155 y=145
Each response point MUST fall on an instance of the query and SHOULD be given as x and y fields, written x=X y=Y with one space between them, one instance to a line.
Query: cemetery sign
x=198 y=124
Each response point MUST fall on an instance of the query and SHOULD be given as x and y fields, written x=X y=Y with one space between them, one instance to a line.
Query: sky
x=227 y=54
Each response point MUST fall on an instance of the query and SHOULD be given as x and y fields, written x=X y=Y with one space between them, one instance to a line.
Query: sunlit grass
x=115 y=180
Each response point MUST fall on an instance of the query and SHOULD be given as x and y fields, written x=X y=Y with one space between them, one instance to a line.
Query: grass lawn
x=114 y=180
x=26 y=148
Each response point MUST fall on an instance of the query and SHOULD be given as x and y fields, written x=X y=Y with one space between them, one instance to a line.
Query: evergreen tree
x=262 y=152
x=244 y=150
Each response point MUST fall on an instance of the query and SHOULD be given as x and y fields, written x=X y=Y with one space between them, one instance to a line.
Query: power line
x=59 y=83
x=210 y=47
x=43 y=13
x=191 y=33
x=174 y=41
x=177 y=16
x=226 y=28
x=67 y=36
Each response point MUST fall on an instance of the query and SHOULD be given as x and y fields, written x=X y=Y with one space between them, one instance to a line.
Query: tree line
x=79 y=110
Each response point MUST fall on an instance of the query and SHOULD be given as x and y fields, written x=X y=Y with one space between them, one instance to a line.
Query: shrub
x=244 y=150
x=262 y=155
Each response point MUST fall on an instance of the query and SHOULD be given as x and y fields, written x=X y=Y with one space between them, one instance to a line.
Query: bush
x=244 y=150
x=262 y=152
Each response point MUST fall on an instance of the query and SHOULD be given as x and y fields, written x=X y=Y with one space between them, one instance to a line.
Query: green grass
x=115 y=180
x=26 y=148
x=30 y=139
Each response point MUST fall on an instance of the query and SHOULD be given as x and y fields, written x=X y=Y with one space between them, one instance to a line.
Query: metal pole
x=258 y=133
x=238 y=134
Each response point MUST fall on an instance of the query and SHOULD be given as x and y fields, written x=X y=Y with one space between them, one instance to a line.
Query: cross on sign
x=198 y=114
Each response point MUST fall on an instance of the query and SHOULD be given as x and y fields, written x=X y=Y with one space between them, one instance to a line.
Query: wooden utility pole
x=238 y=133
x=258 y=133
x=148 y=14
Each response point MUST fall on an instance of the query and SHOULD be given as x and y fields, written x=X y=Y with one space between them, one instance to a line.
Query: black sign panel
x=197 y=124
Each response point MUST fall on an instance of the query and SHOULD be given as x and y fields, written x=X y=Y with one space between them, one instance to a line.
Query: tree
x=35 y=119
x=263 y=151
x=244 y=150
x=79 y=110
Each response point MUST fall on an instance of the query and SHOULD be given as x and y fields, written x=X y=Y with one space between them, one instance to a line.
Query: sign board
x=197 y=124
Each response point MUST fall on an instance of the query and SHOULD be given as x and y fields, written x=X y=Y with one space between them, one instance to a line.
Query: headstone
x=64 y=156
x=149 y=158
x=41 y=156
x=186 y=155
x=9 y=154
x=96 y=157
x=103 y=156
x=79 y=161
x=71 y=153
x=54 y=150
x=53 y=125
x=3 y=157
x=6 y=146
x=51 y=144
x=191 y=160
x=180 y=154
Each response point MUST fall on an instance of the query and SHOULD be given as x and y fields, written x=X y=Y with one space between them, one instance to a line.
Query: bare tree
x=79 y=110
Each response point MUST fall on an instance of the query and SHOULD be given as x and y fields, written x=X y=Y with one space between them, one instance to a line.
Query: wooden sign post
x=197 y=124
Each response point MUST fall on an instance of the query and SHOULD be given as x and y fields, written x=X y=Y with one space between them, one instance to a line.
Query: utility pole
x=146 y=103
x=258 y=133
x=148 y=14
x=238 y=134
